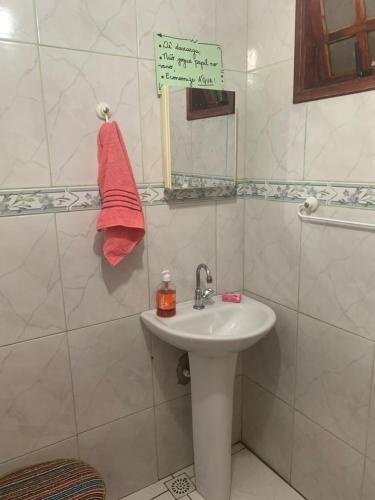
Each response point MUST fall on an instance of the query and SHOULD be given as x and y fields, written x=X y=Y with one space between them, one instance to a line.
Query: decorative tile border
x=66 y=199
x=71 y=199
x=352 y=195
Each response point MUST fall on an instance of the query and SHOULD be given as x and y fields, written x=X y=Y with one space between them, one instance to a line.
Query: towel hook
x=103 y=111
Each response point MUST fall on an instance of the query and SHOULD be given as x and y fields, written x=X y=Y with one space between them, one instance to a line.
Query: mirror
x=199 y=139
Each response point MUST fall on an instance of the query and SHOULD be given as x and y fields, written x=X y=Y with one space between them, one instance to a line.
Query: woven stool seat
x=55 y=480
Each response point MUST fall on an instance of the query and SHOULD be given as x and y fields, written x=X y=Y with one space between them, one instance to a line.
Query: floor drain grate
x=180 y=486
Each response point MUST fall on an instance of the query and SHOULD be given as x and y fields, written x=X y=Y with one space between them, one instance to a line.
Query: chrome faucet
x=200 y=295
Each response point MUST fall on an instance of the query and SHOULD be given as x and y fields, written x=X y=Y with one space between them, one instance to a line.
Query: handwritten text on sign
x=187 y=63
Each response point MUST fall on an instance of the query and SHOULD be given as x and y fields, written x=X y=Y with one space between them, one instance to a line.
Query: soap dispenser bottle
x=166 y=297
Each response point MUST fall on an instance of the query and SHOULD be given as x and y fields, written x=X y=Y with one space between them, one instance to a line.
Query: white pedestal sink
x=213 y=338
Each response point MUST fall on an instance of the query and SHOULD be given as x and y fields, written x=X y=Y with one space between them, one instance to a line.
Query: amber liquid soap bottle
x=166 y=297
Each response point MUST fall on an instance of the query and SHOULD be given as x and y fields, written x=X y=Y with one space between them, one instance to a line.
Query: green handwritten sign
x=187 y=63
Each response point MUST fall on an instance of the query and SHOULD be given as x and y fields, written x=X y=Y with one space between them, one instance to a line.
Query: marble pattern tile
x=73 y=87
x=63 y=449
x=30 y=288
x=190 y=18
x=24 y=157
x=94 y=291
x=254 y=480
x=271 y=361
x=370 y=451
x=339 y=142
x=275 y=126
x=270 y=32
x=36 y=403
x=150 y=122
x=323 y=466
x=333 y=379
x=180 y=238
x=17 y=20
x=369 y=481
x=231 y=33
x=95 y=25
x=230 y=241
x=111 y=363
x=174 y=435
x=165 y=361
x=267 y=427
x=337 y=273
x=123 y=452
x=272 y=247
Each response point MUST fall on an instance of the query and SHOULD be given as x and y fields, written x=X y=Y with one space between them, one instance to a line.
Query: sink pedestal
x=212 y=387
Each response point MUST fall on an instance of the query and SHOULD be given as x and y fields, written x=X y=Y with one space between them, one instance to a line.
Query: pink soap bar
x=231 y=297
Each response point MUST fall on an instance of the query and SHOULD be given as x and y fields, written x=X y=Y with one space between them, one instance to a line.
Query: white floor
x=252 y=480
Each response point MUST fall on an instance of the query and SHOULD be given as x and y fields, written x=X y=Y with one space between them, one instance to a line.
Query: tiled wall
x=308 y=386
x=78 y=374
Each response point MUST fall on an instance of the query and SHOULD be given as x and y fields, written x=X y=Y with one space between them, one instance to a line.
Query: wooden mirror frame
x=310 y=83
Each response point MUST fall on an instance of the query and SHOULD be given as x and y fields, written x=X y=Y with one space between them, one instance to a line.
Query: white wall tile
x=30 y=289
x=272 y=240
x=190 y=18
x=150 y=122
x=323 y=466
x=267 y=427
x=337 y=273
x=108 y=26
x=275 y=126
x=17 y=20
x=230 y=244
x=180 y=238
x=333 y=379
x=340 y=139
x=36 y=403
x=165 y=361
x=94 y=291
x=271 y=361
x=270 y=32
x=111 y=363
x=369 y=481
x=174 y=435
x=24 y=157
x=123 y=452
x=371 y=430
x=231 y=33
x=74 y=83
x=64 y=449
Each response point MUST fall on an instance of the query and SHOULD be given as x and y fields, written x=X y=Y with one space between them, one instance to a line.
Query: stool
x=54 y=480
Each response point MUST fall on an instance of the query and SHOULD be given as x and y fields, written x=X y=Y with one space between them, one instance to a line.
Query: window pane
x=343 y=57
x=370 y=8
x=339 y=13
x=371 y=47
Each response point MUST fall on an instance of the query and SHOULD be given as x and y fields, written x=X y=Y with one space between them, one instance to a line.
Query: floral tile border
x=71 y=199
x=66 y=199
x=352 y=195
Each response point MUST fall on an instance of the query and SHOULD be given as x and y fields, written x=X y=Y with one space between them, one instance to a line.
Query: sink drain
x=180 y=486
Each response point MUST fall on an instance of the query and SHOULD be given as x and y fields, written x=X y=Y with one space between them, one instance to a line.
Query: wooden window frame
x=305 y=48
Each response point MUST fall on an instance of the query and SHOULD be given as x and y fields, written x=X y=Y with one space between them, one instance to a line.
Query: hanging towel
x=121 y=217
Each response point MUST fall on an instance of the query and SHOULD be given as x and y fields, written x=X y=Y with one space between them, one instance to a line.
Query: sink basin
x=213 y=338
x=222 y=327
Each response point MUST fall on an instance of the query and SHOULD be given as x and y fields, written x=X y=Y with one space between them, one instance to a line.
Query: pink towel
x=121 y=217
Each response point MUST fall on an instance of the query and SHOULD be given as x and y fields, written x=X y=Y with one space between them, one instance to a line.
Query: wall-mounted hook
x=103 y=111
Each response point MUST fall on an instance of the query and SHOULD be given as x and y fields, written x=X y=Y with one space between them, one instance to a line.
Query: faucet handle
x=208 y=293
